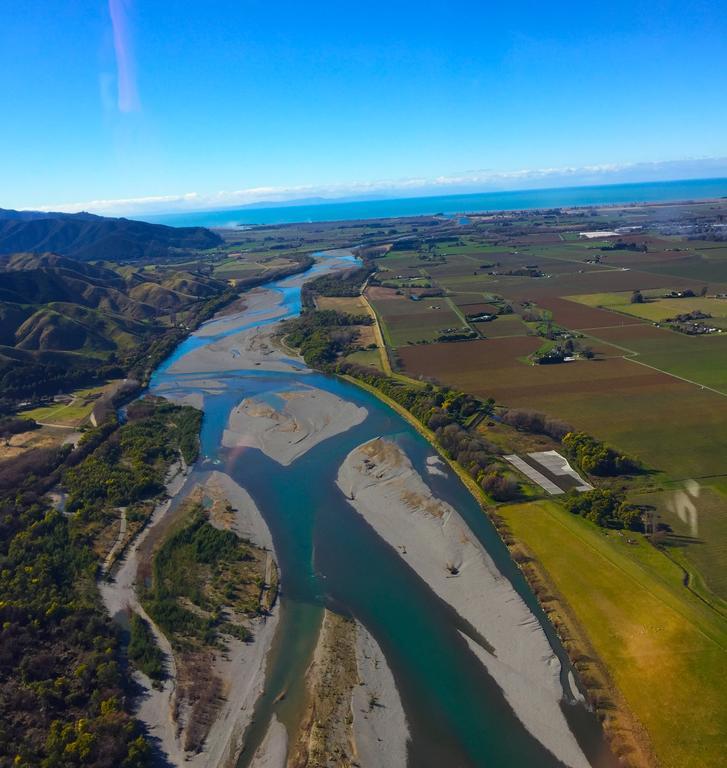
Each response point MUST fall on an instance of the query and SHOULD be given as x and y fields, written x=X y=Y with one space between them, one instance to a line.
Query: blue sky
x=229 y=102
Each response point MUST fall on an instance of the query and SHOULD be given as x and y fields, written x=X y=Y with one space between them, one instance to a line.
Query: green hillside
x=66 y=323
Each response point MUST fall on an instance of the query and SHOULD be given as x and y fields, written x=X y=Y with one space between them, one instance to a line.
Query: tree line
x=64 y=686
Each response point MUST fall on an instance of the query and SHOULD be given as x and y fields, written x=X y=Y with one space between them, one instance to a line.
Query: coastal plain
x=516 y=329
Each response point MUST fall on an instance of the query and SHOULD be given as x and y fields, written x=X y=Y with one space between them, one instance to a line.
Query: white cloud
x=470 y=181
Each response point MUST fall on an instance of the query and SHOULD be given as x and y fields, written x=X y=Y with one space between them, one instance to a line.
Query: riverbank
x=381 y=484
x=663 y=649
x=293 y=513
x=625 y=734
x=237 y=670
x=479 y=495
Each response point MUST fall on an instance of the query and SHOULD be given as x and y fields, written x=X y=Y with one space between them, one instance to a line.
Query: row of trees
x=606 y=508
x=447 y=412
x=535 y=422
x=595 y=458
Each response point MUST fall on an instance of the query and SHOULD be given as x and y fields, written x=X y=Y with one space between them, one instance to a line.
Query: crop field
x=468 y=307
x=503 y=325
x=705 y=363
x=593 y=281
x=655 y=309
x=664 y=648
x=407 y=322
x=670 y=425
x=575 y=316
x=701 y=359
x=708 y=265
x=635 y=337
x=353 y=305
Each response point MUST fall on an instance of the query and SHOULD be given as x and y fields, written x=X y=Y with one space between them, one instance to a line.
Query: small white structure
x=597 y=235
x=558 y=465
x=534 y=475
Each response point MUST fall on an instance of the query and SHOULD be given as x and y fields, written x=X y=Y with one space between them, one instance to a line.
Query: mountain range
x=87 y=237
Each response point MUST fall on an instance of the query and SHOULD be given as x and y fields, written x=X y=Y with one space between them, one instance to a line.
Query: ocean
x=605 y=194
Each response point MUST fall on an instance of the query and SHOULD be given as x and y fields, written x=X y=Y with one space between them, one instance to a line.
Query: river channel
x=330 y=557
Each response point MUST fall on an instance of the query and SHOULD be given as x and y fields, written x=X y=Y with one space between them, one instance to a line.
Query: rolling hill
x=86 y=237
x=64 y=322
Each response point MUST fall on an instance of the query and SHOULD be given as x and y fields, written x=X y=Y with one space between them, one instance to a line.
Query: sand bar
x=381 y=484
x=308 y=416
x=380 y=731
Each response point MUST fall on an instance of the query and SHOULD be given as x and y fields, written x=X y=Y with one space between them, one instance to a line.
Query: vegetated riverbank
x=664 y=648
x=197 y=713
x=625 y=733
x=629 y=739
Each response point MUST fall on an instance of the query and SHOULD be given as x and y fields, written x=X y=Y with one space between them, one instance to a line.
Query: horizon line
x=470 y=182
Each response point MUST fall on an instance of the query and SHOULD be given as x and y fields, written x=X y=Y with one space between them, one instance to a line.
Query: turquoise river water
x=330 y=557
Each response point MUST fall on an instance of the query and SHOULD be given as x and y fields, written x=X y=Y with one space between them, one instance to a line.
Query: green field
x=67 y=414
x=697 y=516
x=370 y=357
x=408 y=322
x=656 y=309
x=666 y=650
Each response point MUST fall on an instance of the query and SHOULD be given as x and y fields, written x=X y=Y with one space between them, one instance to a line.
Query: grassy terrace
x=665 y=650
x=71 y=414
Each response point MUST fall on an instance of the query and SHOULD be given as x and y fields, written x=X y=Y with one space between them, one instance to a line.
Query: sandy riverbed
x=380 y=732
x=381 y=484
x=241 y=667
x=273 y=752
x=353 y=714
x=308 y=417
x=252 y=348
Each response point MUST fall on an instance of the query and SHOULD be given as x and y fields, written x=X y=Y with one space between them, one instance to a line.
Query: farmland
x=645 y=385
x=405 y=321
x=664 y=649
x=616 y=399
x=648 y=616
